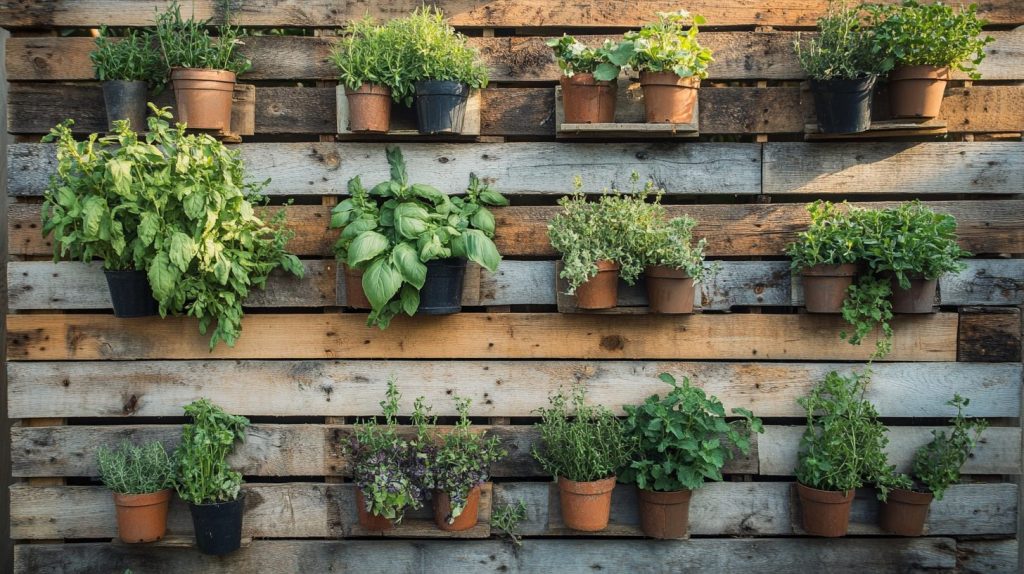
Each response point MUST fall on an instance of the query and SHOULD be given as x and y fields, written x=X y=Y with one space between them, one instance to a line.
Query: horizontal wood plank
x=990 y=334
x=981 y=556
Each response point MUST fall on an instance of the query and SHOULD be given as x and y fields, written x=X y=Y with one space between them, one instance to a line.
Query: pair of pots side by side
x=440 y=107
x=844 y=106
x=586 y=506
x=668 y=99
x=825 y=289
x=669 y=291
x=442 y=505
x=827 y=513
x=143 y=518
x=202 y=99
x=441 y=293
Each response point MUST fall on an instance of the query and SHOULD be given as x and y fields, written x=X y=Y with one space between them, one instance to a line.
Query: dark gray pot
x=126 y=101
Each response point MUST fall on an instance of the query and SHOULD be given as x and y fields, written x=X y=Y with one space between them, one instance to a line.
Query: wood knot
x=613 y=343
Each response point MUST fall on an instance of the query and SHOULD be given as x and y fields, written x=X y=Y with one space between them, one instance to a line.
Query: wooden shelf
x=403 y=120
x=173 y=541
x=883 y=129
x=620 y=128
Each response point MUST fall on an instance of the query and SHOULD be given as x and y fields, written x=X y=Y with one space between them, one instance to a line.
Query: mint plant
x=844 y=47
x=605 y=62
x=832 y=238
x=668 y=45
x=132 y=58
x=188 y=43
x=203 y=474
x=134 y=469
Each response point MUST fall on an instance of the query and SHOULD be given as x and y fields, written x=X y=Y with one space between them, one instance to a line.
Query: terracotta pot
x=203 y=97
x=369 y=521
x=916 y=91
x=587 y=101
x=920 y=298
x=602 y=290
x=586 y=505
x=669 y=99
x=355 y=297
x=669 y=291
x=142 y=517
x=369 y=108
x=464 y=521
x=905 y=513
x=665 y=515
x=825 y=512
x=825 y=286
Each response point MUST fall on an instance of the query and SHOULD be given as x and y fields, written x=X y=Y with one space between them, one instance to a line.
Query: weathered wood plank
x=998 y=450
x=478 y=336
x=990 y=335
x=989 y=282
x=497 y=388
x=988 y=556
x=893 y=168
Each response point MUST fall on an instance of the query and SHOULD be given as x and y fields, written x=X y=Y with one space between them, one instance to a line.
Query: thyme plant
x=133 y=469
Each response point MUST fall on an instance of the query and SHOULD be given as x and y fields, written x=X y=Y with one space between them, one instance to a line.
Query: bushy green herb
x=172 y=204
x=369 y=53
x=832 y=238
x=843 y=446
x=867 y=305
x=670 y=243
x=683 y=438
x=203 y=475
x=669 y=46
x=395 y=227
x=188 y=43
x=914 y=34
x=580 y=442
x=131 y=469
x=843 y=48
x=433 y=50
x=605 y=62
x=132 y=58
x=507 y=518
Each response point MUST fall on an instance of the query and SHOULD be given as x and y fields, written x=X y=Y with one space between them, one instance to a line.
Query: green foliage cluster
x=132 y=469
x=188 y=43
x=832 y=238
x=669 y=242
x=203 y=474
x=575 y=57
x=915 y=34
x=172 y=204
x=844 y=48
x=683 y=438
x=368 y=54
x=581 y=442
x=843 y=446
x=868 y=304
x=507 y=518
x=392 y=229
x=132 y=58
x=669 y=46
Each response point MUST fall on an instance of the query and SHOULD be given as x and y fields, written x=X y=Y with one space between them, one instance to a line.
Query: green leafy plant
x=832 y=238
x=174 y=205
x=581 y=442
x=507 y=518
x=683 y=438
x=670 y=243
x=866 y=306
x=368 y=54
x=843 y=48
x=392 y=229
x=203 y=474
x=433 y=50
x=605 y=62
x=131 y=469
x=188 y=43
x=669 y=46
x=914 y=34
x=132 y=58
x=843 y=446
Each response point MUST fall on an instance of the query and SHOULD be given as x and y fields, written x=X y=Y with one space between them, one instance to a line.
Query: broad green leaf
x=381 y=282
x=163 y=276
x=121 y=173
x=366 y=246
x=93 y=210
x=483 y=220
x=410 y=299
x=182 y=250
x=427 y=192
x=481 y=249
x=149 y=225
x=408 y=263
x=410 y=220
x=606 y=72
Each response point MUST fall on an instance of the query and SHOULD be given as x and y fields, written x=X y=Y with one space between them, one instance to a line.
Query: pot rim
x=142 y=499
x=845 y=85
x=826 y=270
x=824 y=496
x=666 y=272
x=666 y=498
x=206 y=74
x=241 y=498
x=921 y=72
x=604 y=265
x=669 y=79
x=911 y=497
x=592 y=487
x=369 y=89
x=585 y=79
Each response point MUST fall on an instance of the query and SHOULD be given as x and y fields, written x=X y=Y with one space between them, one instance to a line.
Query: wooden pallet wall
x=306 y=367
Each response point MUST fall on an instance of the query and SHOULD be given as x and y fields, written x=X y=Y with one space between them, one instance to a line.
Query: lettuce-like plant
x=605 y=62
x=669 y=46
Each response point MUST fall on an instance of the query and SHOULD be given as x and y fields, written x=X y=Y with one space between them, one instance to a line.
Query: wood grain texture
x=477 y=336
x=988 y=556
x=990 y=335
x=496 y=388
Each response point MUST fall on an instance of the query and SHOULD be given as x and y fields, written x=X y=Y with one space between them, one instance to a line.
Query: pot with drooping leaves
x=141 y=478
x=671 y=64
x=673 y=263
x=589 y=78
x=128 y=67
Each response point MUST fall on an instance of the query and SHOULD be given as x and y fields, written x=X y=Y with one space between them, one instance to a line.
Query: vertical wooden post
x=6 y=547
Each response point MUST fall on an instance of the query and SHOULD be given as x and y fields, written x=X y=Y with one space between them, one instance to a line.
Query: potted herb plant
x=582 y=446
x=826 y=256
x=206 y=482
x=671 y=64
x=920 y=43
x=411 y=241
x=682 y=440
x=589 y=78
x=673 y=263
x=368 y=66
x=936 y=466
x=842 y=68
x=457 y=467
x=141 y=479
x=203 y=68
x=127 y=67
x=841 y=449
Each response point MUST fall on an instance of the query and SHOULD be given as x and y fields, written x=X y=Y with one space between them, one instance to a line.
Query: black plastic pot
x=218 y=526
x=441 y=106
x=442 y=291
x=843 y=106
x=125 y=101
x=131 y=294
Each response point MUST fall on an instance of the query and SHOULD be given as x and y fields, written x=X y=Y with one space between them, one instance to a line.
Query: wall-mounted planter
x=586 y=100
x=403 y=121
x=843 y=106
x=602 y=290
x=665 y=515
x=369 y=108
x=203 y=97
x=669 y=291
x=905 y=512
x=441 y=106
x=586 y=505
x=920 y=298
x=916 y=91
x=126 y=101
x=142 y=517
x=669 y=99
x=824 y=512
x=218 y=527
x=825 y=286
x=628 y=120
x=371 y=522
x=442 y=291
x=131 y=294
x=464 y=521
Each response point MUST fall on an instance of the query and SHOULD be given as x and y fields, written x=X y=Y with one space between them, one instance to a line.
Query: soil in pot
x=669 y=99
x=130 y=294
x=126 y=101
x=586 y=505
x=843 y=106
x=142 y=517
x=218 y=526
x=442 y=291
x=825 y=286
x=920 y=298
x=669 y=291
x=369 y=108
x=441 y=106
x=464 y=521
x=203 y=97
x=355 y=297
x=369 y=521
x=602 y=290
x=905 y=513
x=824 y=512
x=587 y=101
x=665 y=515
x=916 y=91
